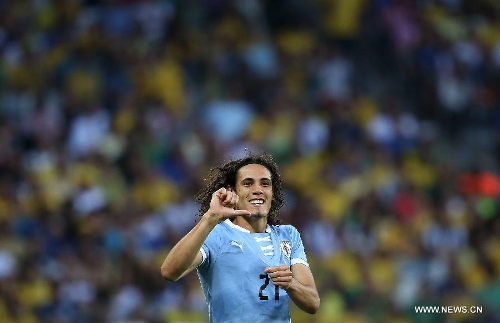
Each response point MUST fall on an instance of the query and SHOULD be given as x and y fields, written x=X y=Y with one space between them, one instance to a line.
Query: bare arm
x=298 y=282
x=185 y=255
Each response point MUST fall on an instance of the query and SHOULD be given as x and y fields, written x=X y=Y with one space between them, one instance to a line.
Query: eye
x=266 y=183
x=246 y=183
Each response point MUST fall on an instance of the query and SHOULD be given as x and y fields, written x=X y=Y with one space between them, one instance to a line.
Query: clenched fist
x=280 y=275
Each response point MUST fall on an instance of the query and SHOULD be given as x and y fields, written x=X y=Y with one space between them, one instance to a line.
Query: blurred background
x=383 y=115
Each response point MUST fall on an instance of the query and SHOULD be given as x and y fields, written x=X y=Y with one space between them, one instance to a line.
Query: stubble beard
x=255 y=216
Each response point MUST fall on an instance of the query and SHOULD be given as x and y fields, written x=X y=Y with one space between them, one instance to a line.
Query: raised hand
x=223 y=206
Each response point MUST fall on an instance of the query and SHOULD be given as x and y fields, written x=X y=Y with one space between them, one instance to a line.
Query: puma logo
x=239 y=245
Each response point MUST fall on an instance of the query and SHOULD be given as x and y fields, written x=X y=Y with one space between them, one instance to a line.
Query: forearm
x=183 y=255
x=305 y=297
x=298 y=282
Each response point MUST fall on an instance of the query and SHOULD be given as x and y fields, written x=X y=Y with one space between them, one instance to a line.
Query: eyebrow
x=251 y=178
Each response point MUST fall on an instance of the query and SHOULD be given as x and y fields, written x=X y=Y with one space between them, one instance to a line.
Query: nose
x=258 y=190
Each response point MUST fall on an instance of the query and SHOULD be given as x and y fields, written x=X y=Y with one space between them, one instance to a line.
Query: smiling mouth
x=257 y=202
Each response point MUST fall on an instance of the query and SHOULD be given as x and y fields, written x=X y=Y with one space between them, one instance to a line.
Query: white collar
x=237 y=227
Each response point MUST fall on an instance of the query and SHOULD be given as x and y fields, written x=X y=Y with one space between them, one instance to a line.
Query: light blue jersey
x=232 y=272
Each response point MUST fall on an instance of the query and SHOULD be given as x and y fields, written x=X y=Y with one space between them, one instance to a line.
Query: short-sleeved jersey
x=232 y=272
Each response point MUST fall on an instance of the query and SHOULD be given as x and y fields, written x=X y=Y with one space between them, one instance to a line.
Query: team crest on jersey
x=286 y=248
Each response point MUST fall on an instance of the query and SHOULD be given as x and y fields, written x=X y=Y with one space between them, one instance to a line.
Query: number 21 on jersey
x=263 y=297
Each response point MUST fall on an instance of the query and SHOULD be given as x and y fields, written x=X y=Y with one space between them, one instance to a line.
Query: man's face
x=255 y=190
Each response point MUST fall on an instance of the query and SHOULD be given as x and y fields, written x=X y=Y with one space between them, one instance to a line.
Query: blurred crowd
x=383 y=115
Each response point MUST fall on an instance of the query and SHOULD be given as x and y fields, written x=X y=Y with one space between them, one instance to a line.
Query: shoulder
x=222 y=229
x=226 y=228
x=286 y=229
x=218 y=232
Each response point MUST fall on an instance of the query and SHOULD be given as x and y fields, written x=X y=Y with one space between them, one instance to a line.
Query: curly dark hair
x=225 y=175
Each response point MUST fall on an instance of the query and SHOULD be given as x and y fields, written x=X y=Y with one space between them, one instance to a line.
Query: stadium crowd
x=384 y=116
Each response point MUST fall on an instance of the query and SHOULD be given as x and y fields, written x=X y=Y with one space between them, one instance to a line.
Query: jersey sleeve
x=210 y=248
x=298 y=255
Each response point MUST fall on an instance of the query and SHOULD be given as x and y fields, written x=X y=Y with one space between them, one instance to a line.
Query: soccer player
x=249 y=264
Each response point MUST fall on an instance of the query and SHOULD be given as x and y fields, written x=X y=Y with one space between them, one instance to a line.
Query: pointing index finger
x=241 y=212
